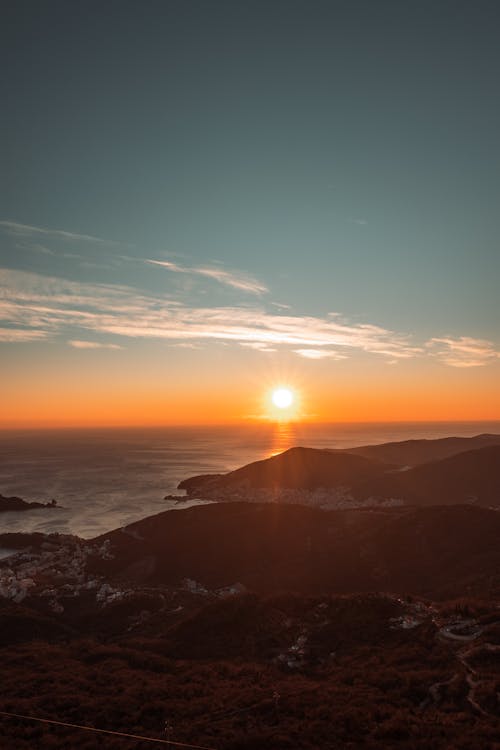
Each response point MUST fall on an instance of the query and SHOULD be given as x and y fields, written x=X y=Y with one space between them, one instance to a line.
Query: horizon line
x=242 y=424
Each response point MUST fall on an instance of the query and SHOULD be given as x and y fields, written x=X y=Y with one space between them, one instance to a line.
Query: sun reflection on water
x=283 y=437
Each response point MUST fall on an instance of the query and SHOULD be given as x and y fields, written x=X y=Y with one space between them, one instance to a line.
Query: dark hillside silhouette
x=437 y=552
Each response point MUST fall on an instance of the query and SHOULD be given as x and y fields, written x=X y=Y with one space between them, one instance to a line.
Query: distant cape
x=416 y=472
x=9 y=504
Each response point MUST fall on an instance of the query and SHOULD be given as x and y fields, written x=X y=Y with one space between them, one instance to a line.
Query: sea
x=103 y=479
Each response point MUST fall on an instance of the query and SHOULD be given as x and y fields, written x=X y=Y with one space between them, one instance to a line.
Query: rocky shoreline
x=9 y=504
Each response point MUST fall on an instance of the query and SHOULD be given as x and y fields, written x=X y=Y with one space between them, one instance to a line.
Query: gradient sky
x=201 y=200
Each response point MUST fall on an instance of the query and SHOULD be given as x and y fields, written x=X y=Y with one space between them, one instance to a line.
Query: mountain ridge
x=341 y=479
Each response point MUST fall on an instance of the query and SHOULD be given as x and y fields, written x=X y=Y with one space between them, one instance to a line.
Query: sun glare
x=282 y=398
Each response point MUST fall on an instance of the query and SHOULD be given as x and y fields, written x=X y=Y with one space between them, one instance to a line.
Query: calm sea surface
x=104 y=479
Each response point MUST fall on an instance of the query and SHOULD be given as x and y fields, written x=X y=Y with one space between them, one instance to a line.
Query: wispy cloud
x=258 y=346
x=13 y=335
x=28 y=230
x=92 y=345
x=51 y=304
x=30 y=237
x=186 y=345
x=34 y=307
x=319 y=354
x=243 y=282
x=37 y=247
x=463 y=351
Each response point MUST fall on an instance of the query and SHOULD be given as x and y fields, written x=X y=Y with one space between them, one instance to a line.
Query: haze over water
x=104 y=479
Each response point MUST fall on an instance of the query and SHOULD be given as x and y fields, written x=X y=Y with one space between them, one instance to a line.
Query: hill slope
x=473 y=476
x=438 y=551
x=301 y=468
x=297 y=474
x=415 y=452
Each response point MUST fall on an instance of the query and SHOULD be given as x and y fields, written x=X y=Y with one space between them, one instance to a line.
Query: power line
x=105 y=731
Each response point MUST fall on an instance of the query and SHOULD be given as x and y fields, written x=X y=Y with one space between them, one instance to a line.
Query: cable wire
x=104 y=731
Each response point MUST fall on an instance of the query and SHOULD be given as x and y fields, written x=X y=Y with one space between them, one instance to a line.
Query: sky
x=201 y=201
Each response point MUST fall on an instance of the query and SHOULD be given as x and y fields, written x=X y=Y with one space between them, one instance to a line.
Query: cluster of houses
x=328 y=498
x=55 y=572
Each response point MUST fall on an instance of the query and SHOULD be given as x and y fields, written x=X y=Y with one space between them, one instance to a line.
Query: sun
x=282 y=398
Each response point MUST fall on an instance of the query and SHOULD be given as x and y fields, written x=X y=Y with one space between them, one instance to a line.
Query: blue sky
x=325 y=172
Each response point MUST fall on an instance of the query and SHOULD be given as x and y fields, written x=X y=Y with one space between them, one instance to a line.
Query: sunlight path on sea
x=283 y=437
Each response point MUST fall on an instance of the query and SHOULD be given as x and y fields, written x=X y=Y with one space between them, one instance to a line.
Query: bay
x=106 y=478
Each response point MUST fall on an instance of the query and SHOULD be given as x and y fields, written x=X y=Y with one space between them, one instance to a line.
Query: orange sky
x=114 y=388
